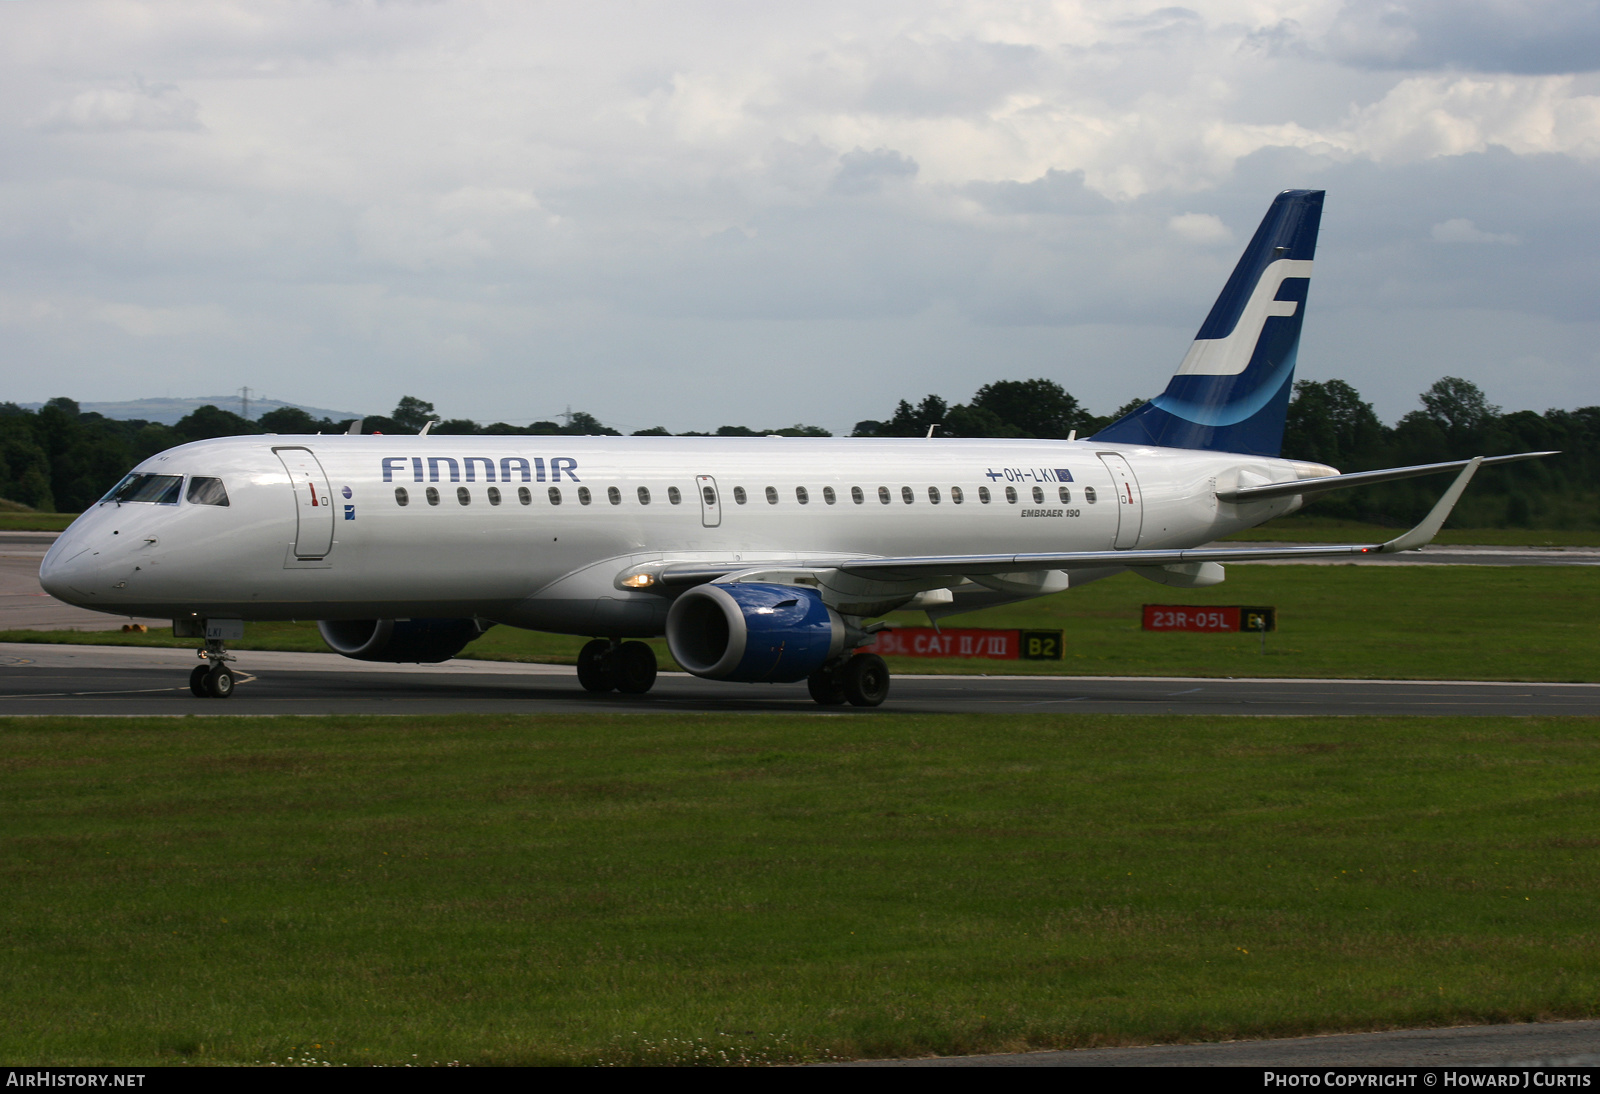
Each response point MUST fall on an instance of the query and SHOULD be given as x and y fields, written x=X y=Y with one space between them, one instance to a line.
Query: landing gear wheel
x=866 y=680
x=826 y=687
x=594 y=666
x=219 y=682
x=197 y=682
x=633 y=668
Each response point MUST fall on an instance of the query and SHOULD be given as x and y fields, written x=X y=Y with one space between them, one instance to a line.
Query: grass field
x=710 y=889
x=1412 y=622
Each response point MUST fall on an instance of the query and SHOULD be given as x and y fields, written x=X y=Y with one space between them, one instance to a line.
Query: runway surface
x=113 y=680
x=1544 y=1044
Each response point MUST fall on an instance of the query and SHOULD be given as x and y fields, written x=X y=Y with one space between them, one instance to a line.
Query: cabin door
x=1130 y=506
x=313 y=502
x=710 y=501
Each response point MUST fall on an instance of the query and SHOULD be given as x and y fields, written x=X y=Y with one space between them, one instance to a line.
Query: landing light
x=639 y=581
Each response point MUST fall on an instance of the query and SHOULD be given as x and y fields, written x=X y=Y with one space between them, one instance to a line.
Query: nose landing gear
x=213 y=679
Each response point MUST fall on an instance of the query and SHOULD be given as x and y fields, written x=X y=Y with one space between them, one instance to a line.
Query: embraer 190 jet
x=759 y=559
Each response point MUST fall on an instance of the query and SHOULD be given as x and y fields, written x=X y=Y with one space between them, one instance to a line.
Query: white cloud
x=143 y=106
x=1462 y=230
x=1203 y=228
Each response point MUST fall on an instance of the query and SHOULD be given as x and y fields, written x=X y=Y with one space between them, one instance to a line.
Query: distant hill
x=168 y=411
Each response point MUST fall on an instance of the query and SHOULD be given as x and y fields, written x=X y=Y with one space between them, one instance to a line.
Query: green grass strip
x=710 y=889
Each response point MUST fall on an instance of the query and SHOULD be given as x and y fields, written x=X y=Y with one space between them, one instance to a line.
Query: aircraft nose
x=69 y=571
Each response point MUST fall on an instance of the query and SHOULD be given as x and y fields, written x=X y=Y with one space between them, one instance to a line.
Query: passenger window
x=524 y=495
x=433 y=495
x=674 y=495
x=613 y=495
x=933 y=494
x=956 y=495
x=710 y=495
x=1065 y=495
x=856 y=495
x=555 y=495
x=203 y=491
x=644 y=495
x=1088 y=494
x=906 y=495
x=801 y=496
x=883 y=494
x=494 y=495
x=401 y=497
x=772 y=495
x=584 y=497
x=1038 y=495
x=828 y=495
x=463 y=495
x=738 y=494
x=983 y=495
x=1011 y=495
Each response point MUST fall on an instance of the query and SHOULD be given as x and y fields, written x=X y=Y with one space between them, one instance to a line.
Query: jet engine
x=754 y=632
x=419 y=641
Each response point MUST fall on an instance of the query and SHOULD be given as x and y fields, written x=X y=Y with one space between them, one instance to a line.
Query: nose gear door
x=1130 y=505
x=710 y=501
x=313 y=502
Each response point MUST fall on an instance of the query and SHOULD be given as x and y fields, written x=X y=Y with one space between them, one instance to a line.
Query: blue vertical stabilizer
x=1232 y=390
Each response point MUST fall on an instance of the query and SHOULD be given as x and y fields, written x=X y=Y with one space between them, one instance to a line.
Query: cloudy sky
x=690 y=213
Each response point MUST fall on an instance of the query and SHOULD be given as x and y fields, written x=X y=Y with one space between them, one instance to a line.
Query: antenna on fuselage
x=355 y=427
x=427 y=427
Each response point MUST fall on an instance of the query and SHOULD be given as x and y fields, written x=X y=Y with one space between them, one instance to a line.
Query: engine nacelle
x=753 y=632
x=418 y=641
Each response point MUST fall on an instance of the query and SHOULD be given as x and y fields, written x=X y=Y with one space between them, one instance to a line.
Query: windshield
x=160 y=489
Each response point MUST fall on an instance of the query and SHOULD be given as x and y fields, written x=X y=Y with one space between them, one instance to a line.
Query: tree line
x=59 y=458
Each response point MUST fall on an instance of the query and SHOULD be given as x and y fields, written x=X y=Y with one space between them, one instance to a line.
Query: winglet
x=1423 y=533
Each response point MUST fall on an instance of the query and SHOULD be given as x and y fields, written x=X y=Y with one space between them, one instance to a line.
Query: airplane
x=759 y=559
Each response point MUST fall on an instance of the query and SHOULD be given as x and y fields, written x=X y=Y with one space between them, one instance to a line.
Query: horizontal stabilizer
x=1360 y=478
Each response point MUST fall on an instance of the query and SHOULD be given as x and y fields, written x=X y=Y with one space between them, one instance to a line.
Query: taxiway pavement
x=121 y=680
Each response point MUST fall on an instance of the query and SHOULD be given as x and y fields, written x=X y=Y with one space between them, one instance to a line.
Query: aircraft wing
x=1360 y=478
x=916 y=568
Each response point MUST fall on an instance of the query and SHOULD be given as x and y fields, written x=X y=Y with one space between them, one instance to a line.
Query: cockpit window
x=160 y=489
x=204 y=491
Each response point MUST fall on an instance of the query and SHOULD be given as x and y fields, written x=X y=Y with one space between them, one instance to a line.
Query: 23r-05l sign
x=1209 y=620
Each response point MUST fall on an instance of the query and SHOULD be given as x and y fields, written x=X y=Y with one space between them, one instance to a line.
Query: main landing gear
x=610 y=665
x=861 y=681
x=213 y=679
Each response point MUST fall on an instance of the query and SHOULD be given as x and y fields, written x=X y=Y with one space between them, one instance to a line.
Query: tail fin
x=1232 y=390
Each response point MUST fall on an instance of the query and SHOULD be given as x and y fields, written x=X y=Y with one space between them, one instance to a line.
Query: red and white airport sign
x=996 y=645
x=1209 y=620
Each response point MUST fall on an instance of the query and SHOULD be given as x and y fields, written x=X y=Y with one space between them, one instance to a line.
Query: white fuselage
x=314 y=528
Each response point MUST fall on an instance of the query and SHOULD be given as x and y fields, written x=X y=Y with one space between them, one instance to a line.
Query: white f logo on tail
x=1229 y=356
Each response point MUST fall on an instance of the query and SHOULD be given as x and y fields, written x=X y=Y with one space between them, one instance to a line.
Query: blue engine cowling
x=753 y=632
x=413 y=641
